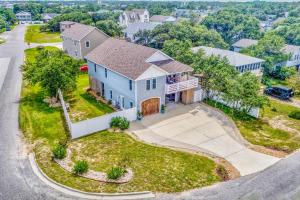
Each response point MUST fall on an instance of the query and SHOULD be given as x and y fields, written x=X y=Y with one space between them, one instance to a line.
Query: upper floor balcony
x=180 y=83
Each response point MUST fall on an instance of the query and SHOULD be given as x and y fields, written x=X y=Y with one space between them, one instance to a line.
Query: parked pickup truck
x=280 y=92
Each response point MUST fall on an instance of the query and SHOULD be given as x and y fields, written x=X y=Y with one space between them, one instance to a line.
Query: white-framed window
x=154 y=83
x=87 y=44
x=95 y=67
x=105 y=72
x=148 y=84
x=76 y=53
x=110 y=94
x=131 y=104
x=130 y=84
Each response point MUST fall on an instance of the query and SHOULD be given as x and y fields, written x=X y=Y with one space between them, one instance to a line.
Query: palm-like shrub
x=80 y=167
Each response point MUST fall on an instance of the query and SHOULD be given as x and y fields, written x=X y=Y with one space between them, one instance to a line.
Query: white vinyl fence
x=85 y=127
x=199 y=95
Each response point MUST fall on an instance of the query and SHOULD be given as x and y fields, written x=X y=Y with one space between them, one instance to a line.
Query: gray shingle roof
x=136 y=26
x=77 y=31
x=234 y=58
x=161 y=18
x=290 y=49
x=245 y=43
x=129 y=59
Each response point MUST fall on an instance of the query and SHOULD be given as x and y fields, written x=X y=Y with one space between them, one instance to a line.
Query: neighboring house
x=131 y=75
x=65 y=25
x=292 y=50
x=80 y=39
x=186 y=13
x=133 y=28
x=161 y=19
x=135 y=15
x=46 y=17
x=243 y=43
x=241 y=62
x=24 y=16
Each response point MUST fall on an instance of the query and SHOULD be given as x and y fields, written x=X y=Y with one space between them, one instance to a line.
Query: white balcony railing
x=182 y=85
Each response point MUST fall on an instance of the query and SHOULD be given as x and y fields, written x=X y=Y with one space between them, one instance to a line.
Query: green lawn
x=34 y=35
x=82 y=104
x=156 y=169
x=270 y=130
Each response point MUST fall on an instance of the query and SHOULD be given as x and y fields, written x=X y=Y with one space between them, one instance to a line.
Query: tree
x=216 y=73
x=183 y=31
x=52 y=70
x=233 y=25
x=179 y=50
x=110 y=27
x=144 y=37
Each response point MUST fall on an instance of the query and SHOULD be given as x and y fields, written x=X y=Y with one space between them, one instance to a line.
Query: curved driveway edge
x=85 y=195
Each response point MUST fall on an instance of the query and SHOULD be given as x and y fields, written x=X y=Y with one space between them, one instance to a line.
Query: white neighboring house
x=135 y=15
x=133 y=28
x=80 y=39
x=161 y=19
x=292 y=50
x=241 y=62
x=24 y=16
x=46 y=17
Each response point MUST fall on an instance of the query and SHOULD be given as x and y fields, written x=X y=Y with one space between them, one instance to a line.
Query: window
x=147 y=84
x=130 y=84
x=87 y=44
x=105 y=71
x=154 y=83
x=76 y=53
x=95 y=67
x=110 y=94
x=131 y=104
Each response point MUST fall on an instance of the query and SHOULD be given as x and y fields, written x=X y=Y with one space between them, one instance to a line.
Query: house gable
x=151 y=72
x=158 y=56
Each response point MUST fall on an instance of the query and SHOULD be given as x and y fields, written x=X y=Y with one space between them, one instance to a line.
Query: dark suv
x=279 y=92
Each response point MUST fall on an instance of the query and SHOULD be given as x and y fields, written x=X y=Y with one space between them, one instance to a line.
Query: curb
x=81 y=194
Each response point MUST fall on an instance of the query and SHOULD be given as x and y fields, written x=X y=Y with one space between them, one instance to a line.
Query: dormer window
x=87 y=44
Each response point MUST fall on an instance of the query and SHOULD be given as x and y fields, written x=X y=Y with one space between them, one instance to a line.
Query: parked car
x=8 y=28
x=280 y=92
x=84 y=68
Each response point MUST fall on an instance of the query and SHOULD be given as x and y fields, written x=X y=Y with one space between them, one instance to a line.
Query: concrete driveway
x=201 y=129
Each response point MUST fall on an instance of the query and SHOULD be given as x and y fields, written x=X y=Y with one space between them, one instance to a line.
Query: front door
x=150 y=106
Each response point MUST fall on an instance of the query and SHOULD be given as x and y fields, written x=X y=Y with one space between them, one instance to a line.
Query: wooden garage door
x=150 y=106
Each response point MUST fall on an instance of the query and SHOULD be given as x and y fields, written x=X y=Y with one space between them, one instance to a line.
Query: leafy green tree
x=110 y=27
x=216 y=73
x=233 y=25
x=52 y=70
x=8 y=16
x=144 y=37
x=197 y=34
x=179 y=50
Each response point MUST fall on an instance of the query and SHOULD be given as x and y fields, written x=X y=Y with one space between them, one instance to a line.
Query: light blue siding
x=115 y=82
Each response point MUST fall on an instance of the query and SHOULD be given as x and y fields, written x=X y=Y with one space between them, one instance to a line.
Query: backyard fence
x=86 y=127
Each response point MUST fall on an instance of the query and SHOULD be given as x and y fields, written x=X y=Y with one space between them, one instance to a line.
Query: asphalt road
x=17 y=180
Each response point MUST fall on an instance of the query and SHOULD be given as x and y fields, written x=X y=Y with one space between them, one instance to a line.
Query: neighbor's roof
x=67 y=22
x=245 y=43
x=49 y=15
x=23 y=13
x=78 y=31
x=136 y=26
x=290 y=49
x=129 y=59
x=234 y=58
x=161 y=18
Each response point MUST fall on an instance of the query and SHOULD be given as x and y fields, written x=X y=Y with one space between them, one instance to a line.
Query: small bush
x=80 y=167
x=295 y=114
x=115 y=173
x=222 y=172
x=119 y=122
x=59 y=152
x=274 y=109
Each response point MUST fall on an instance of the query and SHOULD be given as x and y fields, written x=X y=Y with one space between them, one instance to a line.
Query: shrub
x=59 y=152
x=274 y=109
x=119 y=122
x=295 y=114
x=80 y=167
x=115 y=173
x=222 y=172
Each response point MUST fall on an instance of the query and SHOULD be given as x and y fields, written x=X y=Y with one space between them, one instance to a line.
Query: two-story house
x=292 y=50
x=131 y=75
x=241 y=62
x=132 y=29
x=135 y=15
x=79 y=39
x=24 y=16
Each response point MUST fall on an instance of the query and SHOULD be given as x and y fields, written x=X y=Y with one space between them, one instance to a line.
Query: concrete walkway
x=200 y=129
x=4 y=62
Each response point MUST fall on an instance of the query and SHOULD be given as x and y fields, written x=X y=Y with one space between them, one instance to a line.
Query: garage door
x=150 y=106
